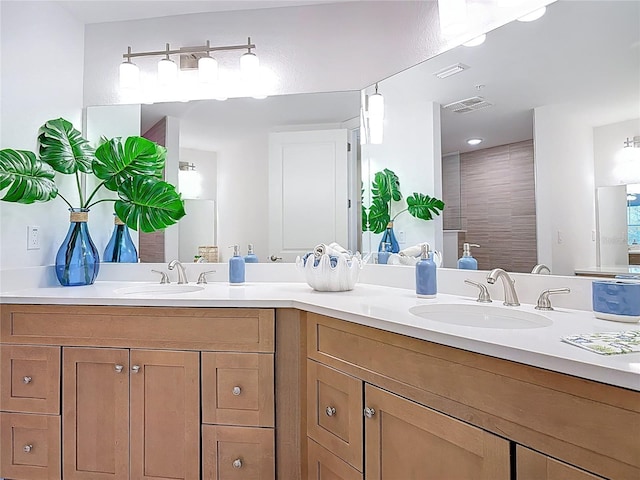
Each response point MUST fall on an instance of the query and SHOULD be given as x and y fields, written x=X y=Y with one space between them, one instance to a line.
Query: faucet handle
x=164 y=278
x=202 y=278
x=483 y=294
x=543 y=300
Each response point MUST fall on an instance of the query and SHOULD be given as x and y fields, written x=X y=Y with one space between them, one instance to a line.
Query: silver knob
x=27 y=448
x=330 y=411
x=118 y=368
x=544 y=303
x=135 y=368
x=236 y=391
x=369 y=412
x=164 y=278
x=237 y=463
x=274 y=258
x=26 y=380
x=202 y=278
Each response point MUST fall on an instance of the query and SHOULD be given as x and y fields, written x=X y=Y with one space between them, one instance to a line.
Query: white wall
x=614 y=164
x=41 y=51
x=565 y=202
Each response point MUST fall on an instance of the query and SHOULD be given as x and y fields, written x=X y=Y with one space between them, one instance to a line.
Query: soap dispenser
x=383 y=255
x=236 y=267
x=250 y=257
x=426 y=281
x=466 y=261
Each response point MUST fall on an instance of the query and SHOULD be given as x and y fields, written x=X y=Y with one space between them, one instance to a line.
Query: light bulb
x=129 y=75
x=167 y=72
x=474 y=141
x=535 y=15
x=453 y=17
x=249 y=65
x=207 y=69
x=376 y=106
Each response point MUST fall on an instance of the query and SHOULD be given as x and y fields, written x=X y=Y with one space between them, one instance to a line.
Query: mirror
x=218 y=156
x=565 y=86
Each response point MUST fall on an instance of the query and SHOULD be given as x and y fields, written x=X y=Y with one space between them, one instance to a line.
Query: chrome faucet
x=510 y=295
x=182 y=273
x=541 y=268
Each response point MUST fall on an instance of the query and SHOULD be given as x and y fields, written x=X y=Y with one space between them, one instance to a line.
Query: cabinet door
x=334 y=412
x=406 y=440
x=237 y=389
x=95 y=416
x=165 y=415
x=532 y=465
x=237 y=453
x=33 y=384
x=324 y=465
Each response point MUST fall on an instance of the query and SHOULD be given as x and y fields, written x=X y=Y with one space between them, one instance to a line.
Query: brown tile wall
x=498 y=206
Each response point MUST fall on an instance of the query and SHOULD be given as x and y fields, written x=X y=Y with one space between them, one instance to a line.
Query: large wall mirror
x=553 y=102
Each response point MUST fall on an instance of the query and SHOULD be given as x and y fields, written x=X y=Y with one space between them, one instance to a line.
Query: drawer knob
x=27 y=448
x=236 y=391
x=369 y=412
x=119 y=368
x=135 y=368
x=26 y=380
x=330 y=411
x=237 y=463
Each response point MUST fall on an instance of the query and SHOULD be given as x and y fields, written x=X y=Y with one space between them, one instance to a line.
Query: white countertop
x=387 y=308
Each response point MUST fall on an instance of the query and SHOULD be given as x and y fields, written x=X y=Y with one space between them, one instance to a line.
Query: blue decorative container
x=389 y=238
x=120 y=247
x=616 y=300
x=77 y=260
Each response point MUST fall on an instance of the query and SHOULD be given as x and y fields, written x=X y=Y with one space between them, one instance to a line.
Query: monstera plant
x=385 y=189
x=132 y=168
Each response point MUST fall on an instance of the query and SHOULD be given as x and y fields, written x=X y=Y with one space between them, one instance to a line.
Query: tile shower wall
x=498 y=206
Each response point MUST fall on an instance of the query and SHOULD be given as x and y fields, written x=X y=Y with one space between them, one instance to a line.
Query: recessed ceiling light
x=474 y=141
x=474 y=42
x=535 y=15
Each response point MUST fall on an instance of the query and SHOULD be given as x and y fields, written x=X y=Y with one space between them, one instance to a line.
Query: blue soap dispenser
x=466 y=261
x=383 y=255
x=236 y=267
x=426 y=281
x=250 y=257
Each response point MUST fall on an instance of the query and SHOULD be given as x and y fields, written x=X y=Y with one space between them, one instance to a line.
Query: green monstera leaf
x=26 y=178
x=118 y=160
x=379 y=215
x=423 y=206
x=64 y=148
x=386 y=186
x=148 y=204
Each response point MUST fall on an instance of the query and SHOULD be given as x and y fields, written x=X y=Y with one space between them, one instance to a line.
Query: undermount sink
x=480 y=316
x=158 y=289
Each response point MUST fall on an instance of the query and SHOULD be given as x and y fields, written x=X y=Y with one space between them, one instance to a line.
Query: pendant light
x=129 y=74
x=167 y=70
x=249 y=63
x=375 y=113
x=207 y=68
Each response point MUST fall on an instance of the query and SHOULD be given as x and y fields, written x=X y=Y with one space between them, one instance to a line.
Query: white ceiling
x=98 y=11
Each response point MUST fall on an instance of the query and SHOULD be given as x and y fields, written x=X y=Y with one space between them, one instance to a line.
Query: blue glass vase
x=77 y=260
x=389 y=242
x=120 y=247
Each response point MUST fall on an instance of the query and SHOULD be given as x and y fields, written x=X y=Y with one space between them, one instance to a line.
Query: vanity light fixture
x=186 y=166
x=533 y=16
x=168 y=69
x=189 y=180
x=474 y=141
x=632 y=143
x=375 y=114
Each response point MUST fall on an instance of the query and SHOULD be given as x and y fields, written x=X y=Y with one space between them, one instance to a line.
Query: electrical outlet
x=402 y=238
x=33 y=237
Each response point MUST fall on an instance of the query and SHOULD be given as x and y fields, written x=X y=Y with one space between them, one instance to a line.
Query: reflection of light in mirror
x=190 y=184
x=474 y=42
x=627 y=165
x=474 y=141
x=453 y=17
x=533 y=16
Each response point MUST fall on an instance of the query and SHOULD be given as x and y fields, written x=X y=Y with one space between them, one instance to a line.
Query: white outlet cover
x=33 y=237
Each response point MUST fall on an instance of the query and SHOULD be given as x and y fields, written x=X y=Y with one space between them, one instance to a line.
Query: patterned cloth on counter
x=607 y=343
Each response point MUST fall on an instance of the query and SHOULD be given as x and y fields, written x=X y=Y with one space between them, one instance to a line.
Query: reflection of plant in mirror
x=131 y=167
x=385 y=189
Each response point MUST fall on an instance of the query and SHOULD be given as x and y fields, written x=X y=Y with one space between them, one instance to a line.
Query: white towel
x=336 y=251
x=413 y=251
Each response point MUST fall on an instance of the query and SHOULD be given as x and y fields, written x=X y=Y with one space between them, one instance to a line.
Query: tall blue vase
x=77 y=260
x=120 y=247
x=389 y=238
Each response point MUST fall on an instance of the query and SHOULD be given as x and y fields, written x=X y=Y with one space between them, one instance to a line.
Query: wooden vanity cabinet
x=132 y=392
x=431 y=411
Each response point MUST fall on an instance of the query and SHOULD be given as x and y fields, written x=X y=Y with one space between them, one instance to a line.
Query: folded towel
x=337 y=250
x=413 y=251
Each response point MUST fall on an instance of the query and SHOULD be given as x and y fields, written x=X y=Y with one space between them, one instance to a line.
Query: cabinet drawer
x=237 y=453
x=30 y=380
x=30 y=446
x=324 y=465
x=238 y=389
x=532 y=465
x=220 y=329
x=334 y=412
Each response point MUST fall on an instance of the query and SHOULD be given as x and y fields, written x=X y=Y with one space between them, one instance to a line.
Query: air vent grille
x=468 y=105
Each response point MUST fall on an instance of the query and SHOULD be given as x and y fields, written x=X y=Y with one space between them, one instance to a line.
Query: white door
x=307 y=191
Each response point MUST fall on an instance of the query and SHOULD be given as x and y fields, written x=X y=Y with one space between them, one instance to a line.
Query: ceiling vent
x=451 y=70
x=468 y=105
